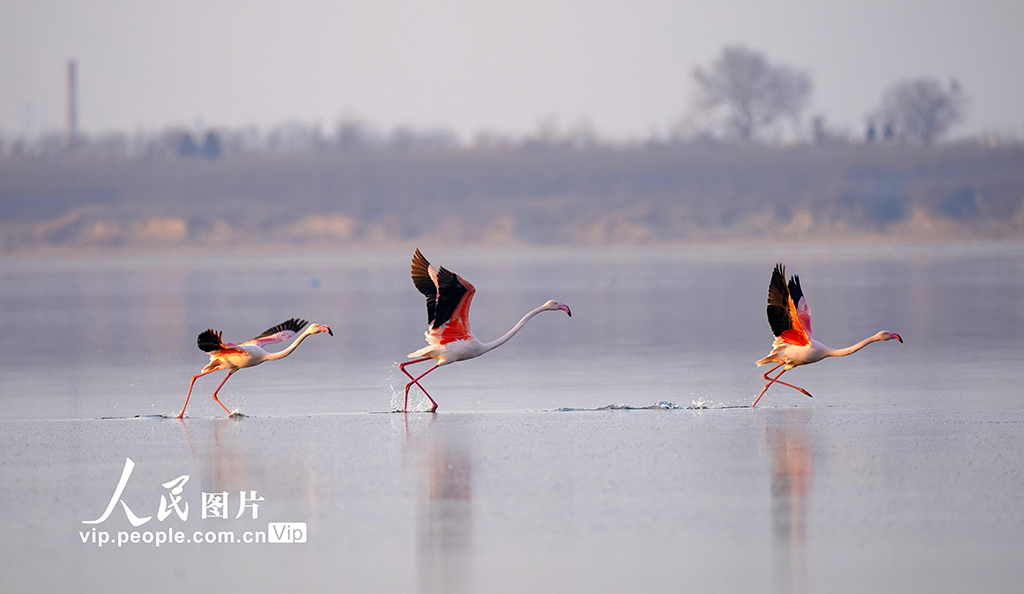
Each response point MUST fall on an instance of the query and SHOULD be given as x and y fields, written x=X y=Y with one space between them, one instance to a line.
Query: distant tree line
x=287 y=138
x=741 y=96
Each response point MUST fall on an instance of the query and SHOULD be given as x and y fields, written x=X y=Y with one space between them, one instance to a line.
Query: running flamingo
x=248 y=354
x=448 y=298
x=794 y=344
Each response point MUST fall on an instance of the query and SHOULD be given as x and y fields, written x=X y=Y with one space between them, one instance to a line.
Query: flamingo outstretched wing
x=282 y=331
x=782 y=312
x=423 y=276
x=448 y=299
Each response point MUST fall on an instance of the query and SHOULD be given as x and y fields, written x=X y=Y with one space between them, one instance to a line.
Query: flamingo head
x=317 y=328
x=890 y=336
x=554 y=306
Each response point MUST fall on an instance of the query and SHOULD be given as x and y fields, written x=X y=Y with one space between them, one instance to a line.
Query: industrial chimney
x=71 y=122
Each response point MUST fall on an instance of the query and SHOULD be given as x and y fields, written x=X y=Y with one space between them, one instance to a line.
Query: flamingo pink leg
x=401 y=367
x=226 y=378
x=187 y=396
x=775 y=380
x=797 y=388
x=765 y=388
x=416 y=381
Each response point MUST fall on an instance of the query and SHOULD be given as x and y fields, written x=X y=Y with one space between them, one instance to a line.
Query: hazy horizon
x=622 y=69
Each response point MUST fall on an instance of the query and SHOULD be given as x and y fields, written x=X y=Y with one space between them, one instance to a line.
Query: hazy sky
x=624 y=66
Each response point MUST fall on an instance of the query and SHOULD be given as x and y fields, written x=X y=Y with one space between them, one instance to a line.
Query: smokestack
x=71 y=123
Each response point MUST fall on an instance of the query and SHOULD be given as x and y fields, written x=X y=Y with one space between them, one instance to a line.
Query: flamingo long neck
x=288 y=351
x=488 y=346
x=853 y=349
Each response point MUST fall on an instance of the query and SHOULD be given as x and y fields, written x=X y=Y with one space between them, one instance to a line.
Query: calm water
x=904 y=473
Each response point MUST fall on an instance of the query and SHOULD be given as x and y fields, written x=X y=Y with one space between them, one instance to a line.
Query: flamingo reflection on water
x=248 y=354
x=794 y=345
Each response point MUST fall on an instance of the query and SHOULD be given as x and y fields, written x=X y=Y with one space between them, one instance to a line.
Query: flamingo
x=448 y=336
x=248 y=354
x=794 y=344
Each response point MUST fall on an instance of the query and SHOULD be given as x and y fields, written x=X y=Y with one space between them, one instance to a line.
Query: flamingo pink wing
x=448 y=299
x=782 y=312
x=276 y=337
x=282 y=331
x=457 y=326
x=803 y=313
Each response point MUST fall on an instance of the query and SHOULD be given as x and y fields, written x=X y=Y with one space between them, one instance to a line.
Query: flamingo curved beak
x=898 y=337
x=328 y=328
x=565 y=308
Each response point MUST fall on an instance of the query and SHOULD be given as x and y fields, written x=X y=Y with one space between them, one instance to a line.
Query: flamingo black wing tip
x=209 y=340
x=293 y=324
x=796 y=293
x=296 y=324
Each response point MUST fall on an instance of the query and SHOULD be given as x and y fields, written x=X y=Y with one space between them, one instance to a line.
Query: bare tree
x=922 y=109
x=752 y=93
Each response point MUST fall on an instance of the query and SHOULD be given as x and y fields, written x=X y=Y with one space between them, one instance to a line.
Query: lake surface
x=615 y=450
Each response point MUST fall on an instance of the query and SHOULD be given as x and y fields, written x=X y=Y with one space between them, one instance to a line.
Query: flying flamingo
x=248 y=354
x=794 y=344
x=448 y=298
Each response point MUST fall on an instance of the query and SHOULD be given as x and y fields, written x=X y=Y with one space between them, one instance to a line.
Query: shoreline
x=362 y=254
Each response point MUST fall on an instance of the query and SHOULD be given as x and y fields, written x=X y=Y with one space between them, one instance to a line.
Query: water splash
x=660 y=405
x=703 y=403
x=396 y=386
x=396 y=394
x=699 y=404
